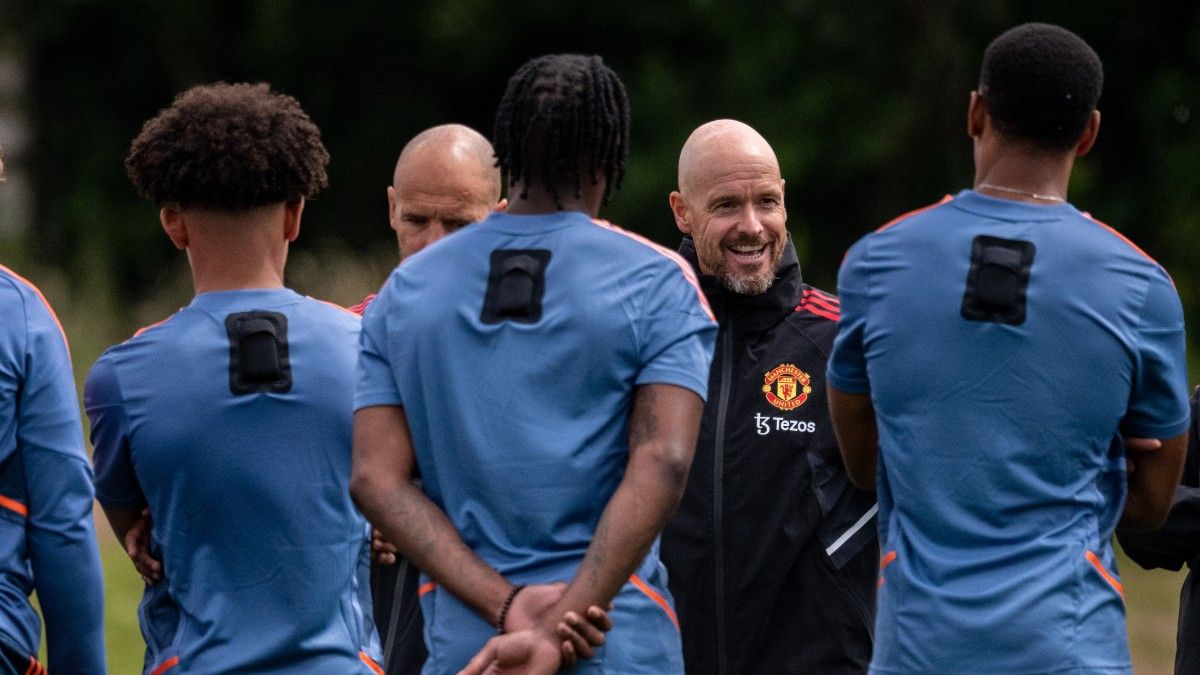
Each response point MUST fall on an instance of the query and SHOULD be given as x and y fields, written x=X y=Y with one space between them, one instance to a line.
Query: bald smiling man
x=772 y=552
x=446 y=178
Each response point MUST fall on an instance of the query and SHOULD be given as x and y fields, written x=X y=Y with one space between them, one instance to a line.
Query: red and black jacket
x=772 y=554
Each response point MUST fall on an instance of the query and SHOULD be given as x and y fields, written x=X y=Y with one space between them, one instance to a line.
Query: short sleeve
x=117 y=485
x=375 y=383
x=677 y=333
x=1158 y=404
x=847 y=370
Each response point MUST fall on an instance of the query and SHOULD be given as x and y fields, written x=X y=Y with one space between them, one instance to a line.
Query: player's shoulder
x=20 y=294
x=909 y=218
x=818 y=306
x=816 y=316
x=333 y=312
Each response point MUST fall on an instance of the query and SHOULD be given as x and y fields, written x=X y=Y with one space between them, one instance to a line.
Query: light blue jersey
x=232 y=421
x=47 y=540
x=1005 y=346
x=519 y=411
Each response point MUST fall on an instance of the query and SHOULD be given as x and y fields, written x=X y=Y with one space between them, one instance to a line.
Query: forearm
x=853 y=417
x=1177 y=543
x=634 y=517
x=1152 y=480
x=382 y=486
x=120 y=520
x=426 y=537
x=663 y=429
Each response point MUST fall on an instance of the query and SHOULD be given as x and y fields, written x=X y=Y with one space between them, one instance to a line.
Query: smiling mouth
x=747 y=251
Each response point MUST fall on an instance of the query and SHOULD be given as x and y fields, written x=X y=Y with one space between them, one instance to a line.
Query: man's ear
x=1088 y=139
x=682 y=214
x=501 y=205
x=391 y=193
x=175 y=227
x=291 y=219
x=976 y=116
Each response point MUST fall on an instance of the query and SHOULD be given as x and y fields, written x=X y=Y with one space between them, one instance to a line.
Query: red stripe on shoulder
x=361 y=307
x=831 y=314
x=914 y=212
x=688 y=272
x=821 y=300
x=41 y=297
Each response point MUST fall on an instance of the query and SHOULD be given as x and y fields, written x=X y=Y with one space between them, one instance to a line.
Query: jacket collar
x=752 y=312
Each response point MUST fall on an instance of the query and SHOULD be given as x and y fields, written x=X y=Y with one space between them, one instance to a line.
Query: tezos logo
x=786 y=386
x=764 y=425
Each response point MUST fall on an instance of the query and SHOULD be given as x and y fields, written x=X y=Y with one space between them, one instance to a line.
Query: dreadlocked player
x=547 y=380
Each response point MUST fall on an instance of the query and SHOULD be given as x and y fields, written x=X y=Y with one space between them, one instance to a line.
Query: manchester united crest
x=786 y=386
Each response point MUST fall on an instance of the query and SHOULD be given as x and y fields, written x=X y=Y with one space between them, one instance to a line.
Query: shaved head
x=730 y=201
x=712 y=145
x=445 y=178
x=451 y=149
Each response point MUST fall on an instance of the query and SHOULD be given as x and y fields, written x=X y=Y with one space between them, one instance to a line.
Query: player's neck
x=230 y=270
x=526 y=199
x=1018 y=174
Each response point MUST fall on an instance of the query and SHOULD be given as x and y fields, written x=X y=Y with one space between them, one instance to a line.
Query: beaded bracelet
x=506 y=606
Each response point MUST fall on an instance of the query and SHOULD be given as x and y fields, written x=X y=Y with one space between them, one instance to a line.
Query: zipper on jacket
x=719 y=487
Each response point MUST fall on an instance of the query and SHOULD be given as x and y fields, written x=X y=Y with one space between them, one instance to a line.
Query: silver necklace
x=1015 y=191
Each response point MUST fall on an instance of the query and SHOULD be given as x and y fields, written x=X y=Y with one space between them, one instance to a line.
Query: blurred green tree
x=863 y=101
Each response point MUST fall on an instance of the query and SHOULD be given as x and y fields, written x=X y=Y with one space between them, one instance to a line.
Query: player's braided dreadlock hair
x=565 y=117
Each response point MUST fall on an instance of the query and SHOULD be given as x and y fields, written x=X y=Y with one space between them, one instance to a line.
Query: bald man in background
x=772 y=553
x=445 y=179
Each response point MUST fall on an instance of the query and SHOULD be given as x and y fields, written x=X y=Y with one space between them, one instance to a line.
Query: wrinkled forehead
x=448 y=174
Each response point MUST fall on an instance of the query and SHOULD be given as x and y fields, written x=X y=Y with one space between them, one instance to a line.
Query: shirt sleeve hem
x=110 y=502
x=687 y=381
x=846 y=384
x=368 y=400
x=1160 y=431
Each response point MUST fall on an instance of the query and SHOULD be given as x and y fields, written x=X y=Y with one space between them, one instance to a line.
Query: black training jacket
x=772 y=554
x=1178 y=544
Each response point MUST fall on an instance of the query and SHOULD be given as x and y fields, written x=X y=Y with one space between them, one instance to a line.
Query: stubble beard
x=743 y=284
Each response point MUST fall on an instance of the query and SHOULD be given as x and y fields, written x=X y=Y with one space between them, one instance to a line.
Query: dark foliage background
x=864 y=102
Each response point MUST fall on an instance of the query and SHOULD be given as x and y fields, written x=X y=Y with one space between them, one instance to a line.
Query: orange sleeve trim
x=688 y=272
x=425 y=588
x=658 y=599
x=1112 y=581
x=156 y=324
x=1127 y=241
x=165 y=666
x=35 y=668
x=371 y=663
x=912 y=213
x=45 y=302
x=888 y=559
x=14 y=505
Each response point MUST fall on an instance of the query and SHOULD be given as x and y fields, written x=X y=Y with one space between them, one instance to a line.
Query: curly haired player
x=230 y=421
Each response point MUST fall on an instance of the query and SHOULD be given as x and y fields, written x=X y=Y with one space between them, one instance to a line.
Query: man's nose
x=750 y=222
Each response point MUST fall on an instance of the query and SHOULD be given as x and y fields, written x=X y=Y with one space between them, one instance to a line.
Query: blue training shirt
x=1000 y=482
x=47 y=540
x=521 y=429
x=263 y=550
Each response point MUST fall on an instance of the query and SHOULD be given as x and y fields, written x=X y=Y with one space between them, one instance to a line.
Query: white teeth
x=746 y=249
